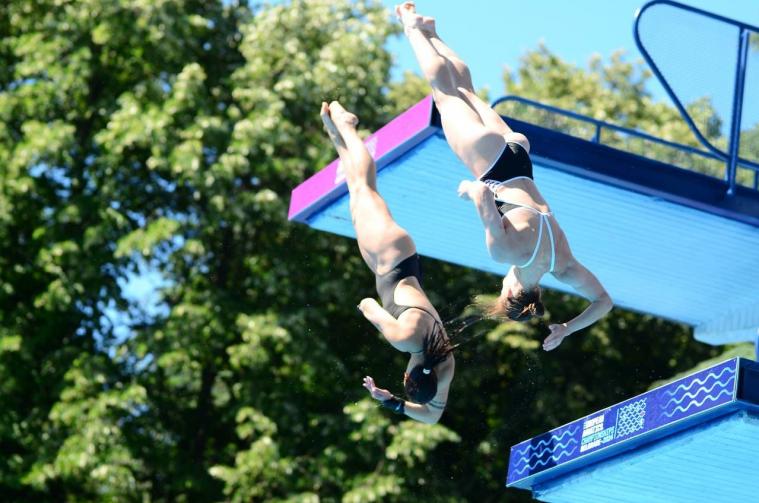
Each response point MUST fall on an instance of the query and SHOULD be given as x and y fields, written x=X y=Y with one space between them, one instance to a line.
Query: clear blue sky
x=491 y=35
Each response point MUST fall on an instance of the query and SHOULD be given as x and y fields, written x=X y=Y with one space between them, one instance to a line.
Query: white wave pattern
x=698 y=392
x=543 y=462
x=557 y=448
x=553 y=438
x=698 y=382
x=698 y=404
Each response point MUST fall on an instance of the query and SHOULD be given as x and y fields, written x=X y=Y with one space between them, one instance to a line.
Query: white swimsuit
x=543 y=223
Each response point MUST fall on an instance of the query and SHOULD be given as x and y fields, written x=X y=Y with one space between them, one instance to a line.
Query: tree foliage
x=168 y=135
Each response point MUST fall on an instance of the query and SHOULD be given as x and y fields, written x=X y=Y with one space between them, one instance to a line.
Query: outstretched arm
x=586 y=284
x=484 y=202
x=429 y=413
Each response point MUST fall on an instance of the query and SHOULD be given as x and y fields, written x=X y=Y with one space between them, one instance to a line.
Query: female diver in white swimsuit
x=519 y=226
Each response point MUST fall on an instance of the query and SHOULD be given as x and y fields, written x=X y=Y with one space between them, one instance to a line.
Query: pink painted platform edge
x=329 y=182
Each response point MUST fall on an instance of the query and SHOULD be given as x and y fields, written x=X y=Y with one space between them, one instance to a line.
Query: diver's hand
x=463 y=189
x=377 y=393
x=366 y=303
x=472 y=190
x=558 y=333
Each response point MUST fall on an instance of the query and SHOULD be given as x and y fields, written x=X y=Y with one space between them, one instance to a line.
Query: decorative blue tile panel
x=636 y=422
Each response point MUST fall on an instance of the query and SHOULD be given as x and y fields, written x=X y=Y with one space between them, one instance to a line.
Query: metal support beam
x=735 y=128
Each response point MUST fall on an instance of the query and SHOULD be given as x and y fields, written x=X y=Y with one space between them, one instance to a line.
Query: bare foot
x=406 y=13
x=329 y=125
x=332 y=115
x=341 y=116
x=428 y=26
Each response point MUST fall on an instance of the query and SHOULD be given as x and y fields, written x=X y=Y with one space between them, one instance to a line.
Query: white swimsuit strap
x=494 y=185
x=520 y=205
x=517 y=178
x=537 y=244
x=543 y=216
x=553 y=245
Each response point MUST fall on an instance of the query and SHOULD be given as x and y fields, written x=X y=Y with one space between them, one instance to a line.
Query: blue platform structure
x=669 y=229
x=694 y=439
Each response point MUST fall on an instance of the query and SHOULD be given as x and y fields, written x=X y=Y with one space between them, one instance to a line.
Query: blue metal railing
x=600 y=125
x=744 y=30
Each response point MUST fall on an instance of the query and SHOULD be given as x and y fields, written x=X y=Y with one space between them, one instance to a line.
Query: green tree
x=57 y=272
x=168 y=135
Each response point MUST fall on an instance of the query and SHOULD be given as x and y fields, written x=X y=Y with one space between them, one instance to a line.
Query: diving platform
x=662 y=239
x=694 y=439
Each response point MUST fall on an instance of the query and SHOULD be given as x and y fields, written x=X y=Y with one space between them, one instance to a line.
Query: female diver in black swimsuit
x=406 y=318
x=519 y=225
